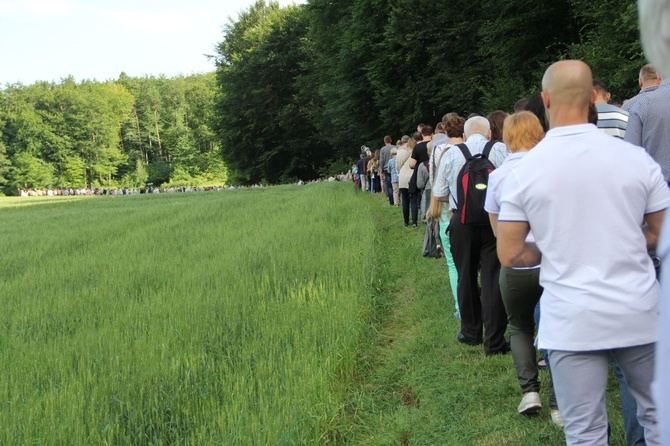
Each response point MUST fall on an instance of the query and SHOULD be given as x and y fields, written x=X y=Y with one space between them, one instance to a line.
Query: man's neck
x=476 y=134
x=565 y=116
x=650 y=84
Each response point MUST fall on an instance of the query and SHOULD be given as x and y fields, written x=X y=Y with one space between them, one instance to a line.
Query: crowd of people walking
x=95 y=191
x=548 y=220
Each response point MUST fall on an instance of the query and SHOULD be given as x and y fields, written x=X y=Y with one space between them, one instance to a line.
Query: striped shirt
x=649 y=125
x=612 y=120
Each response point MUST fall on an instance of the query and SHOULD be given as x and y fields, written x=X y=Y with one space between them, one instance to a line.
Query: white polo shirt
x=496 y=181
x=584 y=195
x=494 y=190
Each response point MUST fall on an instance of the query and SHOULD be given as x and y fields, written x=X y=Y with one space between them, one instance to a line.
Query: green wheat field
x=210 y=318
x=280 y=316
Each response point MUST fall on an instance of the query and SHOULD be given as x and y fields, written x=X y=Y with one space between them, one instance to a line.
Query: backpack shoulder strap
x=438 y=160
x=487 y=148
x=465 y=151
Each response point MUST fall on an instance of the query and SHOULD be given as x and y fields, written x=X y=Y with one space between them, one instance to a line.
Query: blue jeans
x=389 y=188
x=634 y=432
x=537 y=324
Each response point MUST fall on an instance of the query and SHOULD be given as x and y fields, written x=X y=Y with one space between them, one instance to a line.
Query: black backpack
x=473 y=180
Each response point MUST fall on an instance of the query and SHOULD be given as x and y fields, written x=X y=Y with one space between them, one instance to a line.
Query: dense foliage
x=265 y=133
x=342 y=74
x=123 y=133
x=297 y=90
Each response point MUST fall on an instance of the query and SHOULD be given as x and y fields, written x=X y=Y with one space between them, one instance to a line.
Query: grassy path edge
x=414 y=384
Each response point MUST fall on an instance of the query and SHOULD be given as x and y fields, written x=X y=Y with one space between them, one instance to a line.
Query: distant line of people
x=122 y=191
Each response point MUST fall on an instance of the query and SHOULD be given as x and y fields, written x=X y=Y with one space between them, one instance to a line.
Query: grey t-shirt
x=385 y=156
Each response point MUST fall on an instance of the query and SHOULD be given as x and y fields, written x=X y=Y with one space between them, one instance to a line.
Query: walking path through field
x=417 y=385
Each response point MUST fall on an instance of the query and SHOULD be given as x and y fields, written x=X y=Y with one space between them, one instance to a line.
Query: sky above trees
x=53 y=39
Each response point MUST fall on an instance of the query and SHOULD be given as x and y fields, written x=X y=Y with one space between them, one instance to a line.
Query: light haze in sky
x=47 y=40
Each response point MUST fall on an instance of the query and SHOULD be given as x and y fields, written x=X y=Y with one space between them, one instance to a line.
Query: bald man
x=585 y=195
x=648 y=80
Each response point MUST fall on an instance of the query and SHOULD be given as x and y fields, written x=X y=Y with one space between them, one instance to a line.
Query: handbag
x=431 y=241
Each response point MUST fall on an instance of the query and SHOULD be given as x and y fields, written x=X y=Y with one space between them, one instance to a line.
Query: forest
x=123 y=133
x=295 y=91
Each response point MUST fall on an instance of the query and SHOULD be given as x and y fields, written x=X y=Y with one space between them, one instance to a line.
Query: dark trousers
x=414 y=198
x=409 y=200
x=389 y=187
x=474 y=247
x=521 y=291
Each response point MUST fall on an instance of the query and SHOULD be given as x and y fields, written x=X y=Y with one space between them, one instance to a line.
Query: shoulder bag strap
x=487 y=148
x=465 y=151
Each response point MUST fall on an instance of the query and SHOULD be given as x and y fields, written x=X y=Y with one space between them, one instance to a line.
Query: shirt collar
x=516 y=156
x=648 y=89
x=569 y=130
x=475 y=137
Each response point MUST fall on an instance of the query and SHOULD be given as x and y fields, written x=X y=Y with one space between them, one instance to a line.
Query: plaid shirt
x=393 y=170
x=453 y=161
x=649 y=125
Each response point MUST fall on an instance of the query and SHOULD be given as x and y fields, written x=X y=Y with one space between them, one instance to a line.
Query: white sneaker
x=556 y=417
x=531 y=403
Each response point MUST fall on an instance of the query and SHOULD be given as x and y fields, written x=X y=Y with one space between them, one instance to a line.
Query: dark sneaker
x=463 y=340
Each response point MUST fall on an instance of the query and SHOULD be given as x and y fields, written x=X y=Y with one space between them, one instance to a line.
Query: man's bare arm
x=493 y=218
x=652 y=228
x=513 y=251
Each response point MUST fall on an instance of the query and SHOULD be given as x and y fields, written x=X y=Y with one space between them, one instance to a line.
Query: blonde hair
x=521 y=131
x=411 y=144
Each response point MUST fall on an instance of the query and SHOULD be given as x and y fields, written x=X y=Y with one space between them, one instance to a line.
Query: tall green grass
x=214 y=318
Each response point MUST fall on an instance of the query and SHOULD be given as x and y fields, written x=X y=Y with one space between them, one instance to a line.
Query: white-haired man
x=474 y=245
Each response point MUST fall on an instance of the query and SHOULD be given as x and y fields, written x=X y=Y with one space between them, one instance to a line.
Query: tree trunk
x=158 y=135
x=139 y=136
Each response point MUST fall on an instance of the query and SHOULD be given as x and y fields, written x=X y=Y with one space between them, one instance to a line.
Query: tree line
x=297 y=90
x=122 y=133
x=303 y=87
